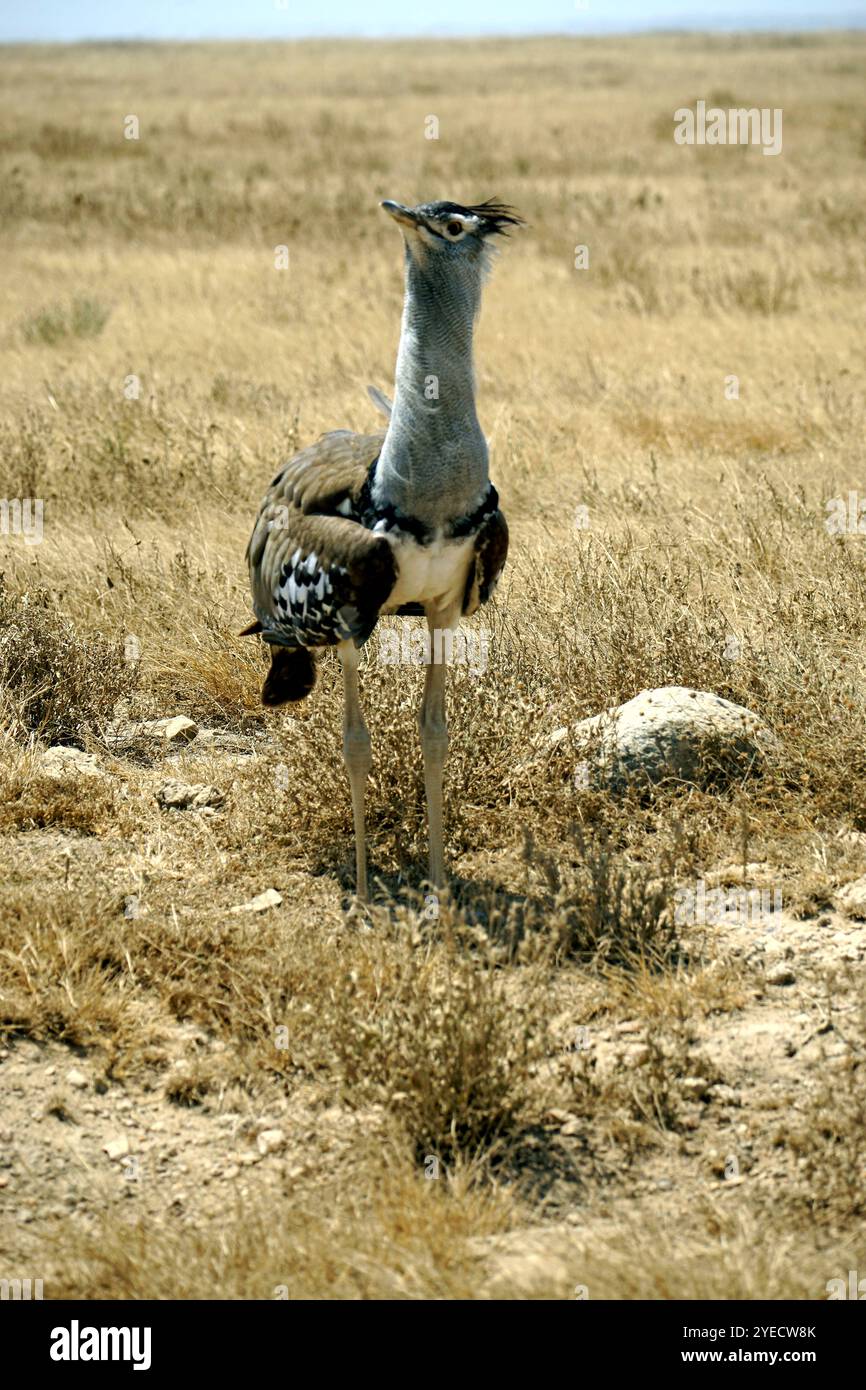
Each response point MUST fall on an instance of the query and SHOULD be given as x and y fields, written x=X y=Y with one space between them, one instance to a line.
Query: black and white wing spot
x=311 y=601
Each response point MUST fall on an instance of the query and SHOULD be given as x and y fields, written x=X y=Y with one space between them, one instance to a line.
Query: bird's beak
x=405 y=216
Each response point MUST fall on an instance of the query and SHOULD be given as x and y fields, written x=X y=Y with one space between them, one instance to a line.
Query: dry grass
x=827 y=1129
x=382 y=1232
x=155 y=368
x=57 y=683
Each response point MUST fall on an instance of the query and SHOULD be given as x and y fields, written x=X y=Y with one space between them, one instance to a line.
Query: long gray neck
x=433 y=464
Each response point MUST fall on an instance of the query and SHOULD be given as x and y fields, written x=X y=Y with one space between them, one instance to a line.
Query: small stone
x=116 y=1148
x=695 y=1087
x=270 y=898
x=570 y=1129
x=177 y=729
x=61 y=761
x=725 y=1095
x=781 y=974
x=270 y=1141
x=841 y=1062
x=183 y=796
x=76 y=1078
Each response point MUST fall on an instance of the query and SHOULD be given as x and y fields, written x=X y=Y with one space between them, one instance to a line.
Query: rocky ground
x=79 y=1145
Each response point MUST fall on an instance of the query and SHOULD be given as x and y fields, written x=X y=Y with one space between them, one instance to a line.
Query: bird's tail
x=291 y=677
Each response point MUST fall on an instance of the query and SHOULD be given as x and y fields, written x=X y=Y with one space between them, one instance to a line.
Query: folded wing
x=318 y=576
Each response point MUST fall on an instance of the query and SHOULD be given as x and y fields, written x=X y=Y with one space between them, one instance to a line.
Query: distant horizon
x=465 y=36
x=203 y=21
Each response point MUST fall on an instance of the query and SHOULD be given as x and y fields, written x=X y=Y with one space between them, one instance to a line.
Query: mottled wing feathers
x=320 y=477
x=491 y=550
x=319 y=577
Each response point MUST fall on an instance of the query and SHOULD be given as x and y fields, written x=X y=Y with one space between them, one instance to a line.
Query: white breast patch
x=430 y=574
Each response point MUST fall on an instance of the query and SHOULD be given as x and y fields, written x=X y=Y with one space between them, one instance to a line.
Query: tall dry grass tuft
x=56 y=681
x=439 y=1036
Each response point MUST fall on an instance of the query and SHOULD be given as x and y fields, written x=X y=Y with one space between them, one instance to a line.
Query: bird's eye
x=454 y=229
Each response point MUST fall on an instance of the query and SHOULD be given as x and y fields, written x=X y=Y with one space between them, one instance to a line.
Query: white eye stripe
x=455 y=228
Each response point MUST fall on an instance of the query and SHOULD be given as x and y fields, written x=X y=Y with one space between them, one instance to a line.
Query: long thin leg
x=357 y=757
x=434 y=733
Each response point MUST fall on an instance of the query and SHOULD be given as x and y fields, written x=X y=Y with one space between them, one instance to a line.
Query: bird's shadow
x=504 y=916
x=548 y=1171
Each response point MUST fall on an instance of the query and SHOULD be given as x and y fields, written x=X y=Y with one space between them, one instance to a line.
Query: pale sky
x=65 y=20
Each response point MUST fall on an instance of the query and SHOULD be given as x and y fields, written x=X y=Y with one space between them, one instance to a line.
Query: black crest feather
x=495 y=217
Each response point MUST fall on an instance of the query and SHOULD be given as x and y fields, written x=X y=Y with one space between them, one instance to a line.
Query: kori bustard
x=404 y=521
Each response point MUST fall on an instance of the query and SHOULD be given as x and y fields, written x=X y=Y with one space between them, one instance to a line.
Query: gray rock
x=668 y=733
x=60 y=761
x=184 y=796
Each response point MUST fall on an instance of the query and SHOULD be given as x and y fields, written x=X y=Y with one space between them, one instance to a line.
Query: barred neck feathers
x=433 y=464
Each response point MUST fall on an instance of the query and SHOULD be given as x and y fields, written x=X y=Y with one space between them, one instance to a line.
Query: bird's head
x=450 y=238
